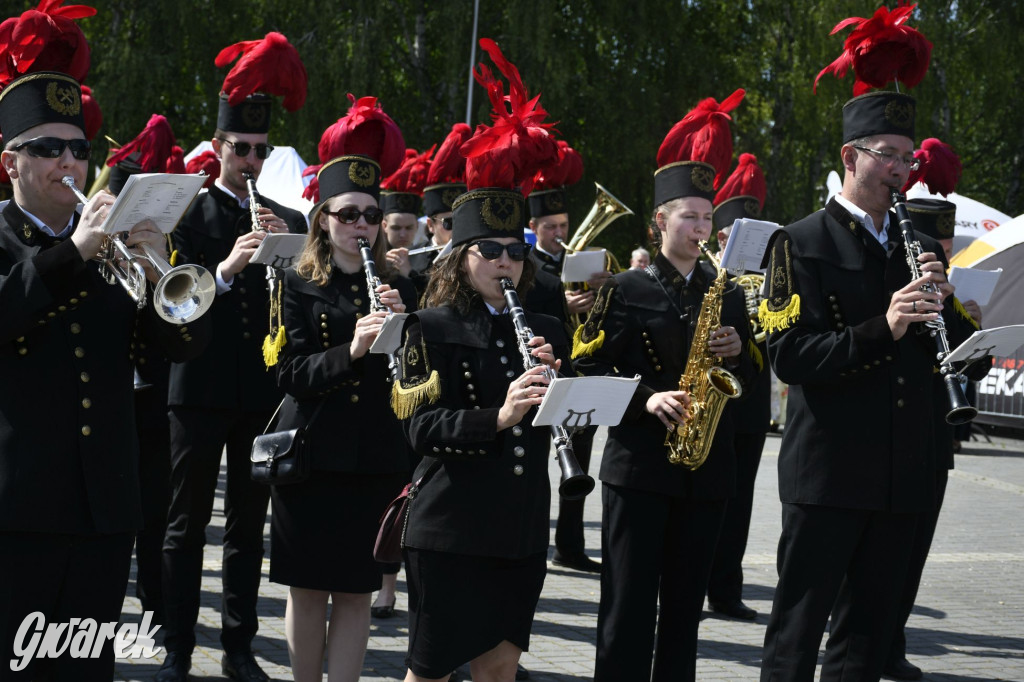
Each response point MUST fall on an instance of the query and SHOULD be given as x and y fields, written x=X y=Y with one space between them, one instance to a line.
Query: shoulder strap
x=312 y=417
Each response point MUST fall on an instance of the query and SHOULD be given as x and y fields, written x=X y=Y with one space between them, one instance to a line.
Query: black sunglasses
x=242 y=149
x=53 y=148
x=492 y=250
x=446 y=223
x=351 y=214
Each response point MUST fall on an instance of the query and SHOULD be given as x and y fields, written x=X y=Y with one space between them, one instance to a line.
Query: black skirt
x=323 y=529
x=463 y=606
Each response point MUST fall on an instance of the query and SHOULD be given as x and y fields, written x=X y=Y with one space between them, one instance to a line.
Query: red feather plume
x=92 y=113
x=449 y=165
x=365 y=130
x=312 y=190
x=881 y=50
x=45 y=39
x=411 y=176
x=940 y=169
x=746 y=180
x=703 y=135
x=567 y=170
x=206 y=162
x=518 y=143
x=271 y=66
x=152 y=149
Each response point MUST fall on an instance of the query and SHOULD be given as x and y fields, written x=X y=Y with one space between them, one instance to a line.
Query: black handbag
x=281 y=457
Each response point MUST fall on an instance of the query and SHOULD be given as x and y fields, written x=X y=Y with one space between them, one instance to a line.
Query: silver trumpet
x=181 y=295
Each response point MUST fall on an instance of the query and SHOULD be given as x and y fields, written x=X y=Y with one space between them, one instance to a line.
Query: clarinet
x=961 y=411
x=254 y=215
x=372 y=282
x=575 y=485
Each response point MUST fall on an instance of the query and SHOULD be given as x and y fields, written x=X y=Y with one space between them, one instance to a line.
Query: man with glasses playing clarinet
x=225 y=397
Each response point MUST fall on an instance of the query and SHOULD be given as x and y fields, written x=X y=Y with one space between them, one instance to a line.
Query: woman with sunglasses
x=323 y=529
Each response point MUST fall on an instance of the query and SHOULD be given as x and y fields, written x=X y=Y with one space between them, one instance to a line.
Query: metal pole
x=472 y=63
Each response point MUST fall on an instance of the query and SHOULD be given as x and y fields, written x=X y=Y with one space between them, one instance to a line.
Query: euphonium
x=182 y=294
x=752 y=283
x=708 y=384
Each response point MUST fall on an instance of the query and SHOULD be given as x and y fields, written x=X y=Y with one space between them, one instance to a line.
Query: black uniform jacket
x=356 y=430
x=231 y=373
x=68 y=448
x=635 y=328
x=859 y=431
x=491 y=495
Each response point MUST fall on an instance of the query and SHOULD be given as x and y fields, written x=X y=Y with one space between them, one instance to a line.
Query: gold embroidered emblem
x=361 y=174
x=946 y=225
x=900 y=113
x=412 y=357
x=65 y=101
x=554 y=202
x=449 y=196
x=501 y=213
x=752 y=208
x=703 y=178
x=26 y=230
x=255 y=115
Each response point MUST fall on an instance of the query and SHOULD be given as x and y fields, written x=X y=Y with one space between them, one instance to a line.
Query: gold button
x=899 y=403
x=84 y=376
x=79 y=352
x=517 y=430
x=20 y=339
x=241 y=275
x=323 y=325
x=51 y=314
x=73 y=301
x=62 y=308
x=246 y=335
x=518 y=470
x=86 y=430
x=241 y=290
x=354 y=398
x=76 y=328
x=183 y=328
x=359 y=316
x=83 y=294
x=355 y=287
x=23 y=351
x=358 y=301
x=323 y=316
x=519 y=451
x=86 y=403
x=500 y=343
x=142 y=361
x=327 y=344
x=245 y=320
x=900 y=380
x=187 y=337
x=244 y=305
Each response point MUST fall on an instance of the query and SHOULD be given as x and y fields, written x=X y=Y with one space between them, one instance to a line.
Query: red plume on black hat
x=746 y=180
x=508 y=153
x=270 y=66
x=154 y=149
x=92 y=113
x=940 y=167
x=45 y=39
x=566 y=170
x=703 y=135
x=208 y=163
x=881 y=50
x=449 y=165
x=411 y=176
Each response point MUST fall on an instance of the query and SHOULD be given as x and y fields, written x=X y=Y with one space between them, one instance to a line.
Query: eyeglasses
x=242 y=149
x=351 y=214
x=446 y=223
x=492 y=250
x=888 y=158
x=53 y=148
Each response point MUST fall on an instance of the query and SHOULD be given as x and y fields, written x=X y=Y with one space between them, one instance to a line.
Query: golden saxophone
x=708 y=384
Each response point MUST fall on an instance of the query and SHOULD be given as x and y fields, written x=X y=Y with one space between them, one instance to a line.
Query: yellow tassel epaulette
x=581 y=348
x=777 y=320
x=962 y=311
x=272 y=346
x=404 y=401
x=174 y=258
x=755 y=354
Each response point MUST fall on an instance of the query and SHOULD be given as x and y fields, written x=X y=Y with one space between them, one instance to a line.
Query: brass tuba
x=751 y=284
x=708 y=384
x=604 y=212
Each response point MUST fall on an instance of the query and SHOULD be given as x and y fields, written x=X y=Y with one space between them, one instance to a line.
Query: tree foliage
x=615 y=76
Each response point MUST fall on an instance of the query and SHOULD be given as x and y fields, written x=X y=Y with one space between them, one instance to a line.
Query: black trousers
x=655 y=550
x=829 y=556
x=569 y=527
x=62 y=577
x=155 y=482
x=726 y=583
x=198 y=436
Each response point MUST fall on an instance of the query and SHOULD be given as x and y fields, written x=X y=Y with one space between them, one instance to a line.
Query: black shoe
x=521 y=672
x=734 y=609
x=175 y=668
x=579 y=562
x=901 y=669
x=242 y=666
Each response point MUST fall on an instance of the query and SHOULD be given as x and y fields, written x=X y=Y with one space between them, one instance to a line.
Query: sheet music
x=279 y=250
x=974 y=285
x=586 y=401
x=579 y=266
x=389 y=338
x=1000 y=341
x=160 y=197
x=747 y=243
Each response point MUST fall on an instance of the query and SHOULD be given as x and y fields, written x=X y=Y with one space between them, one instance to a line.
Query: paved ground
x=968 y=624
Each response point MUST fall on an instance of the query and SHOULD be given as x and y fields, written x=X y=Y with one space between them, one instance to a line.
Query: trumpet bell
x=184 y=294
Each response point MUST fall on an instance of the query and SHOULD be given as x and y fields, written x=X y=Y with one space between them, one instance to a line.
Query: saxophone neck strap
x=655 y=274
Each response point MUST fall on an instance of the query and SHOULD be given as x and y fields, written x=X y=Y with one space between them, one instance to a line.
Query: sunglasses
x=446 y=223
x=351 y=214
x=492 y=250
x=242 y=149
x=53 y=148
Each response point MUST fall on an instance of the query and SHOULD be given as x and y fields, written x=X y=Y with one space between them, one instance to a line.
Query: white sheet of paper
x=974 y=285
x=579 y=266
x=747 y=243
x=160 y=197
x=279 y=250
x=390 y=336
x=1000 y=341
x=586 y=401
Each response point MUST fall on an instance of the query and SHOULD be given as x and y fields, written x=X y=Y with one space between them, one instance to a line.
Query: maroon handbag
x=391 y=536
